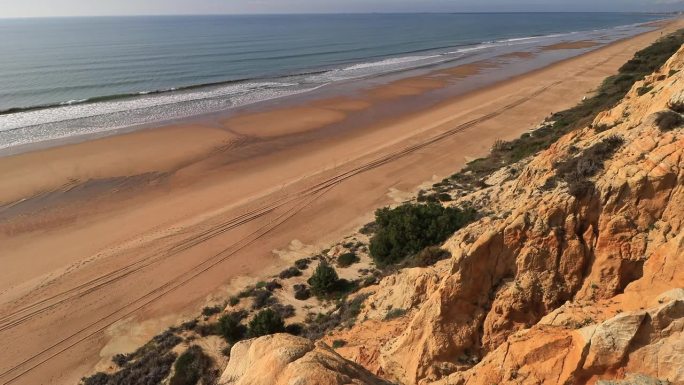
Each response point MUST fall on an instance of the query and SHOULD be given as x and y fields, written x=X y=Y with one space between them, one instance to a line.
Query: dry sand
x=142 y=228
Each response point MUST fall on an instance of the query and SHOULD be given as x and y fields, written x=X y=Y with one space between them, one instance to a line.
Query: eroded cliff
x=575 y=277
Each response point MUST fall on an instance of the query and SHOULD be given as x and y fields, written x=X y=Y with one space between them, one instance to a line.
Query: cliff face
x=576 y=277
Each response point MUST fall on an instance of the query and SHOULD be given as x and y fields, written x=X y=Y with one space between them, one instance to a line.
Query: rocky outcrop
x=525 y=286
x=282 y=359
x=563 y=284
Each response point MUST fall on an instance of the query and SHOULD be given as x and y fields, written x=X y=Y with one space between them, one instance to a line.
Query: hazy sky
x=35 y=8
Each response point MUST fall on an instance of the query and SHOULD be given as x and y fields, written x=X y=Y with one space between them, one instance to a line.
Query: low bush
x=336 y=344
x=289 y=273
x=273 y=285
x=394 y=313
x=266 y=322
x=192 y=366
x=230 y=327
x=429 y=256
x=410 y=228
x=668 y=120
x=347 y=259
x=211 y=310
x=284 y=311
x=301 y=292
x=294 y=329
x=345 y=314
x=262 y=298
x=368 y=228
x=576 y=171
x=644 y=90
x=148 y=369
x=302 y=264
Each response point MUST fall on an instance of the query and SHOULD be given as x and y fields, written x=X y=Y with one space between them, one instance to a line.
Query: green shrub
x=211 y=310
x=347 y=259
x=234 y=300
x=266 y=322
x=192 y=366
x=409 y=228
x=338 y=344
x=324 y=280
x=229 y=326
x=394 y=313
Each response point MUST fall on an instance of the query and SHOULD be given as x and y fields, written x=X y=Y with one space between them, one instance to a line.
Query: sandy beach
x=107 y=242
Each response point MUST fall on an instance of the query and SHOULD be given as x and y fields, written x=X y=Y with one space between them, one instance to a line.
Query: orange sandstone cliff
x=576 y=277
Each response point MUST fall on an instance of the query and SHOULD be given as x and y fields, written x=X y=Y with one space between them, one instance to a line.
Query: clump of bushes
x=229 y=326
x=668 y=120
x=576 y=171
x=289 y=273
x=301 y=292
x=192 y=366
x=347 y=259
x=608 y=94
x=284 y=311
x=266 y=322
x=345 y=314
x=262 y=298
x=302 y=264
x=338 y=344
x=211 y=310
x=409 y=228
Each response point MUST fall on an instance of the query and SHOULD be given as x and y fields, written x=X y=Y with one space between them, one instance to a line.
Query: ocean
x=66 y=77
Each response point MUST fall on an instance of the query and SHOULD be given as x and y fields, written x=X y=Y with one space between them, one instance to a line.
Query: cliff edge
x=576 y=275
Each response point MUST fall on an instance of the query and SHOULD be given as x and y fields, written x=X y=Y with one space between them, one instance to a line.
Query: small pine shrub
x=266 y=322
x=324 y=280
x=229 y=326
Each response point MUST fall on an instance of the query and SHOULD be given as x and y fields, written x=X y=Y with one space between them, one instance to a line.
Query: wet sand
x=142 y=228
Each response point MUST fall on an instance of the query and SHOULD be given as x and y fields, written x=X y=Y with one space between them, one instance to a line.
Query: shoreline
x=566 y=48
x=163 y=199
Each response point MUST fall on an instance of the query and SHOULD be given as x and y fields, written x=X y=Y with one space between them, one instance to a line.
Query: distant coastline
x=81 y=115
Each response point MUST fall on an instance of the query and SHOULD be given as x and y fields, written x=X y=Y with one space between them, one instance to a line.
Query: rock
x=610 y=340
x=283 y=359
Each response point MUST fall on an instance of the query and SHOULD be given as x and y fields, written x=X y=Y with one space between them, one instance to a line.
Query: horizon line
x=331 y=13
